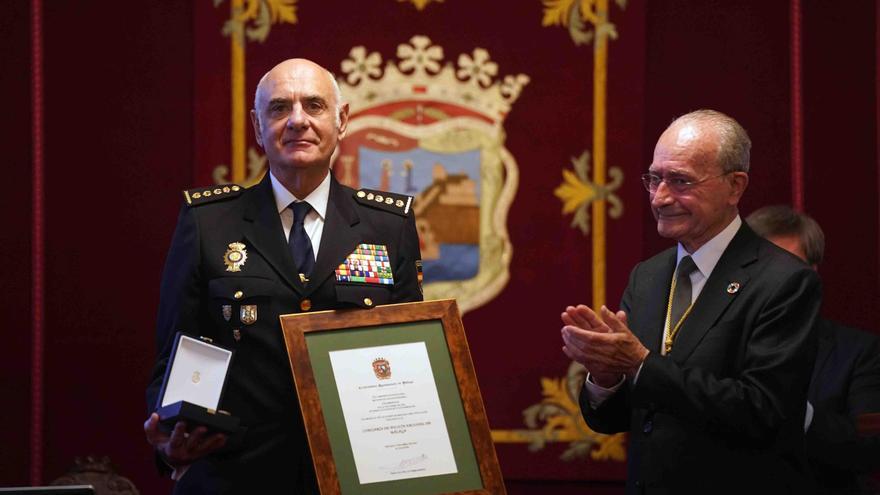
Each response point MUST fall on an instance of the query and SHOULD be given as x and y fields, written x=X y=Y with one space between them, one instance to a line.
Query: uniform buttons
x=238 y=294
x=368 y=302
x=305 y=304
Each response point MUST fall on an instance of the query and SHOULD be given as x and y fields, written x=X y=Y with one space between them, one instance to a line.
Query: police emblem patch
x=382 y=368
x=248 y=314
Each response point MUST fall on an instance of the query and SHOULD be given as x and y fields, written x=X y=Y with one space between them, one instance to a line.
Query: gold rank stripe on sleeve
x=369 y=264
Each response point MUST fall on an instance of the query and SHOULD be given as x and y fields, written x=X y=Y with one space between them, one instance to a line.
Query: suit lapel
x=339 y=238
x=715 y=297
x=262 y=228
x=654 y=296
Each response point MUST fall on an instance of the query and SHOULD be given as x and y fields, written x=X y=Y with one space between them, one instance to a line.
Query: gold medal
x=235 y=256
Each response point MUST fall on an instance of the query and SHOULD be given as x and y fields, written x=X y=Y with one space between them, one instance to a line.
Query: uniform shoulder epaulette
x=400 y=204
x=202 y=195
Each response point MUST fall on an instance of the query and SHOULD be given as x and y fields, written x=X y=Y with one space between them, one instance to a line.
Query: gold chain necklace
x=672 y=332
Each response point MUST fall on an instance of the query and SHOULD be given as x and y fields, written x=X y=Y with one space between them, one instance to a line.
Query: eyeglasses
x=678 y=185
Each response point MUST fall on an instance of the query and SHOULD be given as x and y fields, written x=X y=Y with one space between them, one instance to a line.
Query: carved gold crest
x=235 y=257
x=433 y=129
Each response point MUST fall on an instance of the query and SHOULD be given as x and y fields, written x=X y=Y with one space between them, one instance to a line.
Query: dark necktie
x=681 y=298
x=299 y=242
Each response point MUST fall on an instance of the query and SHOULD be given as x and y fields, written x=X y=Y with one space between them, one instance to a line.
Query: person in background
x=846 y=377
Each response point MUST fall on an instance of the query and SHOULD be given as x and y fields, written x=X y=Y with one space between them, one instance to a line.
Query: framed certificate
x=390 y=401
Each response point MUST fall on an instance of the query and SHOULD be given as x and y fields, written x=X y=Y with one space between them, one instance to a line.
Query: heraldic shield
x=421 y=127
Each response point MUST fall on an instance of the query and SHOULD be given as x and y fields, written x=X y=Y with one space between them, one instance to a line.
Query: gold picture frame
x=310 y=337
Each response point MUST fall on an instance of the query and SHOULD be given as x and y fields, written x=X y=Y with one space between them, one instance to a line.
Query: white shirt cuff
x=638 y=372
x=179 y=472
x=597 y=394
x=808 y=417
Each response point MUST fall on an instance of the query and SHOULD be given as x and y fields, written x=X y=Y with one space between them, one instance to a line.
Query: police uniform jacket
x=203 y=293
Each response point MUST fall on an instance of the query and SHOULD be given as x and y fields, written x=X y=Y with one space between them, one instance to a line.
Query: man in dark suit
x=846 y=378
x=241 y=257
x=707 y=363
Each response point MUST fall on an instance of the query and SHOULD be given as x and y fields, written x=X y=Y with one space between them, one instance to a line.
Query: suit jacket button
x=368 y=302
x=305 y=304
x=648 y=427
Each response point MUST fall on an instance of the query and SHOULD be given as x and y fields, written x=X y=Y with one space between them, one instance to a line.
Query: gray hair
x=782 y=220
x=734 y=145
x=337 y=94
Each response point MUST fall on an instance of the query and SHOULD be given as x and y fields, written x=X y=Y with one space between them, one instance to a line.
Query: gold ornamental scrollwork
x=557 y=417
x=420 y=4
x=577 y=192
x=249 y=20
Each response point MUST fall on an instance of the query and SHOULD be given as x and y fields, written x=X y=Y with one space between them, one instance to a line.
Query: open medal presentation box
x=390 y=401
x=193 y=386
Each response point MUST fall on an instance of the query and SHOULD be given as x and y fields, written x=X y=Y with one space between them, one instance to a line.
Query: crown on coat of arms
x=382 y=368
x=420 y=74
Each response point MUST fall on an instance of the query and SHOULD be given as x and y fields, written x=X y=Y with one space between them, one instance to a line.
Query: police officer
x=241 y=257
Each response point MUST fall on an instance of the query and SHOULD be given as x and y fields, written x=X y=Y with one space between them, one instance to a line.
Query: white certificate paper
x=392 y=412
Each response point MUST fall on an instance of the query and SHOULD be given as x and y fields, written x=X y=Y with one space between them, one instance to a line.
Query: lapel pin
x=733 y=288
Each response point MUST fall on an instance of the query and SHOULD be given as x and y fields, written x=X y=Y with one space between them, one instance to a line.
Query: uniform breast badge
x=382 y=368
x=226 y=309
x=236 y=334
x=368 y=264
x=248 y=314
x=235 y=257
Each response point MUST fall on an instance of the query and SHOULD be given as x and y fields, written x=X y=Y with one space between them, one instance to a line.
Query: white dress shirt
x=314 y=222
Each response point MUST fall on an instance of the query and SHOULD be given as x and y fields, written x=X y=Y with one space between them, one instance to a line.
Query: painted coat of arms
x=424 y=128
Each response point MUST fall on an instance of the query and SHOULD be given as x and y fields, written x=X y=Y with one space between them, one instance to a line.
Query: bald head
x=297 y=66
x=298 y=120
